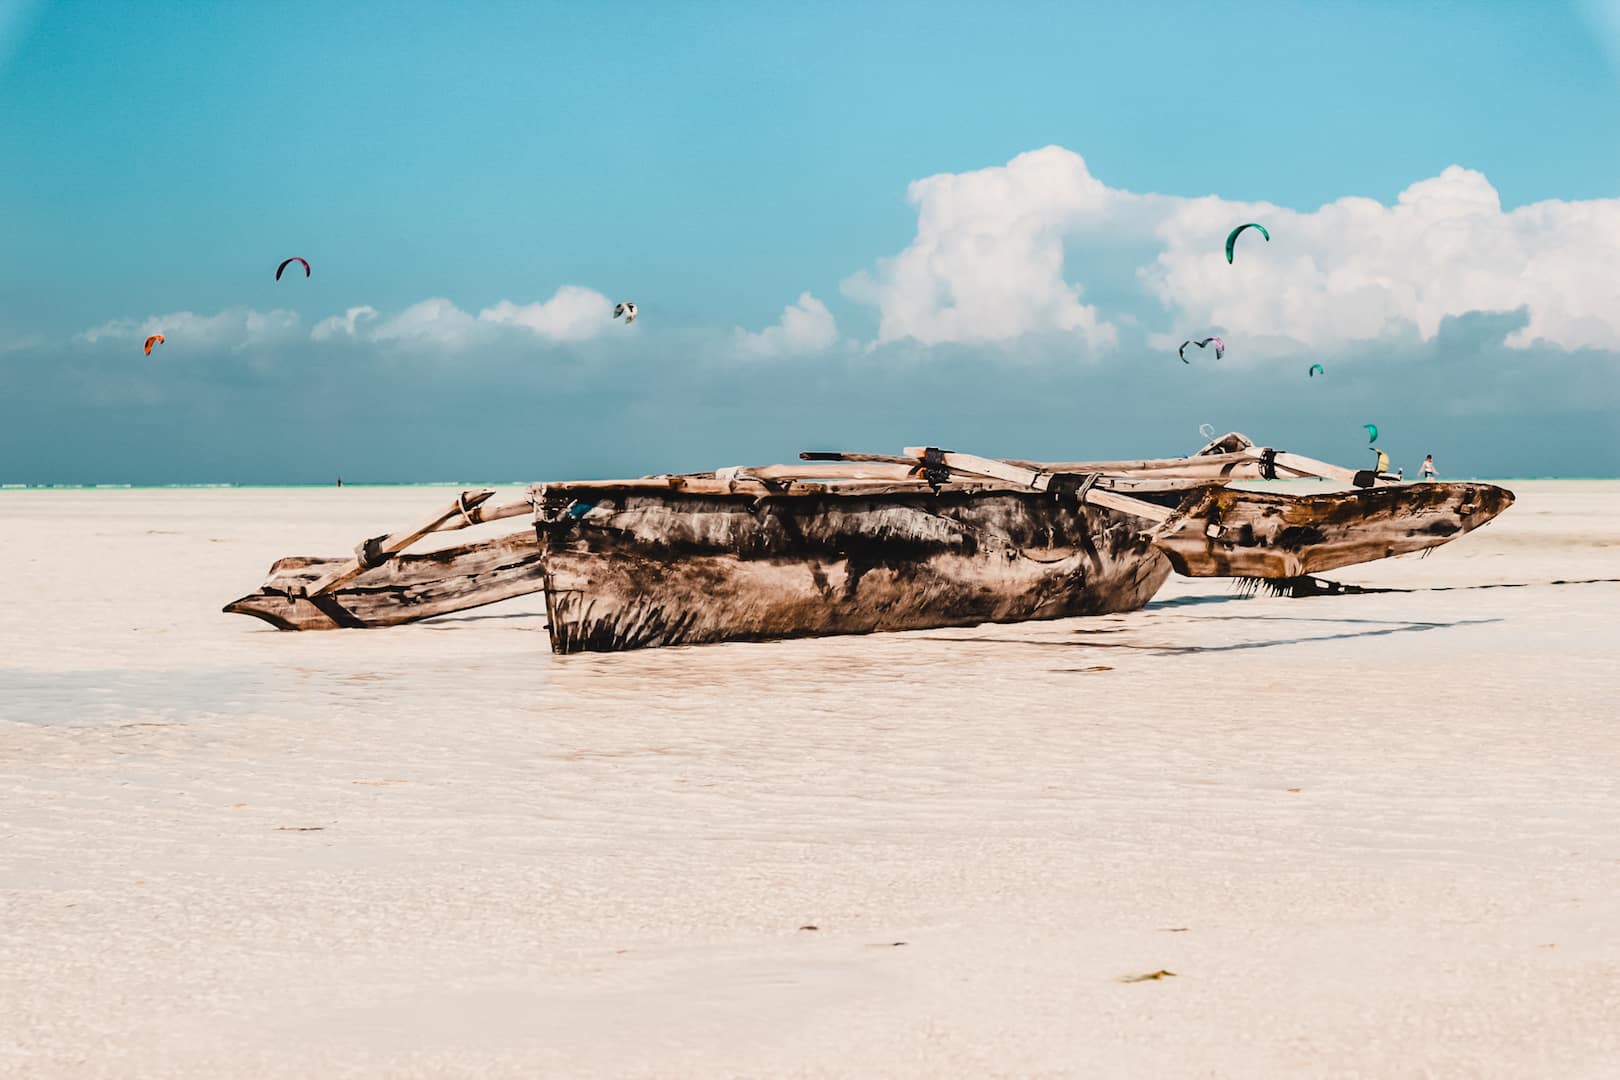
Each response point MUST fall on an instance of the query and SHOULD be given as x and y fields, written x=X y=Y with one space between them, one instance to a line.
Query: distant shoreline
x=20 y=486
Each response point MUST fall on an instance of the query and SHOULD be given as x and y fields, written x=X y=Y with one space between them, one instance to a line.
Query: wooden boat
x=854 y=543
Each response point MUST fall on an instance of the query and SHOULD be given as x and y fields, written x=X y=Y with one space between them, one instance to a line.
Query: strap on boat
x=1070 y=489
x=934 y=470
x=466 y=511
x=370 y=553
x=327 y=605
x=1268 y=464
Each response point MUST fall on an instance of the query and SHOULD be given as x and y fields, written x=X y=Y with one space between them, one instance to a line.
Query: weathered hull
x=634 y=571
x=1227 y=533
x=635 y=564
x=405 y=589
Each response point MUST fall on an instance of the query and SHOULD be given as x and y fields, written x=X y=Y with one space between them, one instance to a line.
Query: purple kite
x=288 y=262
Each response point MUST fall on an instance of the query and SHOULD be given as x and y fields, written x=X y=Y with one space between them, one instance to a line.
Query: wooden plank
x=1127 y=505
x=1039 y=480
x=842 y=455
x=1020 y=475
x=483 y=513
x=1200 y=465
x=849 y=470
x=388 y=546
x=1304 y=466
x=757 y=488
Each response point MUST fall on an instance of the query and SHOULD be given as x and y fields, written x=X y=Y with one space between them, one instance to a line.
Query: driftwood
x=852 y=543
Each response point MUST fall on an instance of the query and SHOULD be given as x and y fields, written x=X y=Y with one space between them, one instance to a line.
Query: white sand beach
x=1372 y=835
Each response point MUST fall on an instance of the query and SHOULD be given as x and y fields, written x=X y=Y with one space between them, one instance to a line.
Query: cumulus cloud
x=343 y=326
x=234 y=329
x=572 y=314
x=988 y=260
x=435 y=322
x=1356 y=270
x=806 y=326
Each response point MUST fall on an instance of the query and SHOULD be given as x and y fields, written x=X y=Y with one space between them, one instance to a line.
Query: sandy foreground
x=1371 y=835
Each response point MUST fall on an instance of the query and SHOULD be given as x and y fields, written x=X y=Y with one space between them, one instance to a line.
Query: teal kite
x=1372 y=433
x=1231 y=237
x=1313 y=370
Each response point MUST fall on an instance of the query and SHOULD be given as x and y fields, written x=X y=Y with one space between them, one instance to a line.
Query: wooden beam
x=388 y=546
x=1200 y=463
x=845 y=471
x=840 y=455
x=1040 y=480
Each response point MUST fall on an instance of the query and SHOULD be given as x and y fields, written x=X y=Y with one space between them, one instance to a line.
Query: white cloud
x=234 y=329
x=987 y=262
x=346 y=325
x=806 y=326
x=572 y=314
x=433 y=322
x=1356 y=269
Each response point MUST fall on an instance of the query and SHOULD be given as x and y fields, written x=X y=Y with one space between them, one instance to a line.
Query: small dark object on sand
x=809 y=928
x=1177 y=929
x=1149 y=977
x=300 y=828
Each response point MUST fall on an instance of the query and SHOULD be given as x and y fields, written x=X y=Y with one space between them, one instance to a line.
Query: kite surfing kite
x=288 y=262
x=627 y=309
x=1372 y=433
x=155 y=339
x=1231 y=237
x=1314 y=370
x=1383 y=461
x=1219 y=343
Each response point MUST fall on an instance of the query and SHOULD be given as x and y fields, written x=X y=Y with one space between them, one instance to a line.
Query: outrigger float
x=854 y=543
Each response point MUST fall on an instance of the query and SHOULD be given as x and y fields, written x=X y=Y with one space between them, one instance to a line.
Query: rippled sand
x=1368 y=834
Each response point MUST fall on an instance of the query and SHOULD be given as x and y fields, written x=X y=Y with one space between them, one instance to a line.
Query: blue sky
x=714 y=162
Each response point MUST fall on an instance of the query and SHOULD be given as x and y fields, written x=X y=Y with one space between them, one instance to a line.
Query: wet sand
x=1370 y=835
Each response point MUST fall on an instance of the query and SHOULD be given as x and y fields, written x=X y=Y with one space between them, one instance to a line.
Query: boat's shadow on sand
x=1377 y=628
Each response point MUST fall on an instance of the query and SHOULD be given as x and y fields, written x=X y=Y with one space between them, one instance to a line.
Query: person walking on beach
x=1428 y=468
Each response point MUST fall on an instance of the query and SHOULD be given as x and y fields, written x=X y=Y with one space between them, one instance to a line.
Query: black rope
x=935 y=471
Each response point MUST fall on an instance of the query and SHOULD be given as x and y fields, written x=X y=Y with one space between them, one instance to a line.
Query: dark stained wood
x=404 y=589
x=388 y=546
x=857 y=543
x=1226 y=533
x=633 y=571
